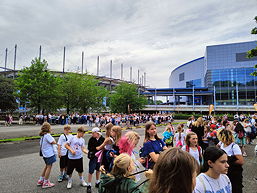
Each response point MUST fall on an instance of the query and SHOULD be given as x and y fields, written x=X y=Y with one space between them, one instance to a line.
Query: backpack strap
x=139 y=185
x=201 y=180
x=65 y=137
x=187 y=148
x=199 y=151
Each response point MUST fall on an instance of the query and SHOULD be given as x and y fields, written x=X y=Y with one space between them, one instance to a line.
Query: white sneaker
x=83 y=183
x=69 y=185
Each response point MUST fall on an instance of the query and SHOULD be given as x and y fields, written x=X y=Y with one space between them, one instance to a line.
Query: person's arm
x=67 y=146
x=103 y=144
x=154 y=156
x=84 y=149
x=59 y=151
x=240 y=159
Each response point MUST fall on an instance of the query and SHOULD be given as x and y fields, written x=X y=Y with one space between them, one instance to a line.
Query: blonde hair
x=67 y=127
x=117 y=130
x=132 y=136
x=226 y=136
x=108 y=129
x=198 y=122
x=121 y=165
x=45 y=128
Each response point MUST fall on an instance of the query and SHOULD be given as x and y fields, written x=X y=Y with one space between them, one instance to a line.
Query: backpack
x=199 y=151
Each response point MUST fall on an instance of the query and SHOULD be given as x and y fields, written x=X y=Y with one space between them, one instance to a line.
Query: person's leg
x=48 y=171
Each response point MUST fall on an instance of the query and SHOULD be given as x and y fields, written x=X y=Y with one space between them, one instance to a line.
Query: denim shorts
x=49 y=160
x=93 y=165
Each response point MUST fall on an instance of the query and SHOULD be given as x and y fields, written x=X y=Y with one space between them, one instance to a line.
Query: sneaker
x=97 y=185
x=40 y=182
x=83 y=183
x=89 y=189
x=244 y=154
x=47 y=184
x=60 y=178
x=69 y=185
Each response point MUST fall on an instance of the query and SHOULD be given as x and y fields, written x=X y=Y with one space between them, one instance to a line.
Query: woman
x=192 y=147
x=174 y=172
x=198 y=128
x=168 y=135
x=235 y=159
x=153 y=145
x=215 y=168
x=121 y=178
x=248 y=130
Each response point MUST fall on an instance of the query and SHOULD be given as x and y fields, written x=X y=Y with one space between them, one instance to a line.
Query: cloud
x=152 y=36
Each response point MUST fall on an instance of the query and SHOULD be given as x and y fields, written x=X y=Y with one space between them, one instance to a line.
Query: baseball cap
x=97 y=130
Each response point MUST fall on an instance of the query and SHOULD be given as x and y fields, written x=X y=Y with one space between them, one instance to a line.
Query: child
x=96 y=140
x=192 y=147
x=47 y=151
x=110 y=147
x=168 y=135
x=76 y=145
x=179 y=137
x=63 y=152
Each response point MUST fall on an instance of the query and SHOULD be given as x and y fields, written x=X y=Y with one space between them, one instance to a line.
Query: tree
x=38 y=87
x=7 y=99
x=253 y=52
x=80 y=92
x=126 y=99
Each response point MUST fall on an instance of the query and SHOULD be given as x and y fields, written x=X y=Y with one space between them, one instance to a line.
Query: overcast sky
x=154 y=36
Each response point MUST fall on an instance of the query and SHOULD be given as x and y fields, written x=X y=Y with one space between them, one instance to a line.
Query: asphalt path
x=21 y=165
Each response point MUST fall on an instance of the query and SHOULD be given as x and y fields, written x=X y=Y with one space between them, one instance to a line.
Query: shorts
x=93 y=165
x=75 y=164
x=50 y=160
x=64 y=161
x=248 y=134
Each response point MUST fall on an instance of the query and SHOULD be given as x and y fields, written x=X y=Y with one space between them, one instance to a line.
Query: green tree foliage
x=80 y=92
x=253 y=52
x=7 y=99
x=126 y=99
x=39 y=87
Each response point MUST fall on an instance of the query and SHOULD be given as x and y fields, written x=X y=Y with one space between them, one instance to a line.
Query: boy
x=76 y=145
x=63 y=152
x=96 y=140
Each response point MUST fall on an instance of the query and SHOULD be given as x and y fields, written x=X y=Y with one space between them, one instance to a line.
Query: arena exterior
x=224 y=70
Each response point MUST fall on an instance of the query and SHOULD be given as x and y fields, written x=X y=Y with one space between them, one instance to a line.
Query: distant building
x=225 y=70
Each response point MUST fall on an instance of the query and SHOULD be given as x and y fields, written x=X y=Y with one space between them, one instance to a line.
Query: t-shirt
x=206 y=184
x=194 y=153
x=232 y=149
x=182 y=138
x=46 y=145
x=153 y=146
x=62 y=142
x=76 y=145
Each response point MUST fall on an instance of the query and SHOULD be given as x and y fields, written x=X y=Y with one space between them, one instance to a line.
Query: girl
x=152 y=147
x=47 y=150
x=168 y=135
x=179 y=137
x=248 y=130
x=174 y=172
x=120 y=178
x=192 y=147
x=127 y=144
x=110 y=147
x=215 y=168
x=235 y=159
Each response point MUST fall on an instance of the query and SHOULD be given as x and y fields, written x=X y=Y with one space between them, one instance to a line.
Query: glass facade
x=226 y=82
x=195 y=83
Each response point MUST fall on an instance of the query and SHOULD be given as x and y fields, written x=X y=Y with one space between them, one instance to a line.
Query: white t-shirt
x=76 y=145
x=206 y=184
x=232 y=149
x=62 y=141
x=46 y=145
x=194 y=153
x=182 y=139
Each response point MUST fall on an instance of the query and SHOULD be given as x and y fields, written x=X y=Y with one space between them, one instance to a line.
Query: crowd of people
x=200 y=156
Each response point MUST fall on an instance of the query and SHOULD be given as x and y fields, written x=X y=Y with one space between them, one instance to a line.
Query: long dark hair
x=173 y=172
x=147 y=127
x=212 y=154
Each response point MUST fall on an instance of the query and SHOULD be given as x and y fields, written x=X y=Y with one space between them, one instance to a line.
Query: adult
x=198 y=128
x=235 y=159
x=152 y=147
x=175 y=171
x=215 y=168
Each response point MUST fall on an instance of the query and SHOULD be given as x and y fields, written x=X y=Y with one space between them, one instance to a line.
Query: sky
x=152 y=36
